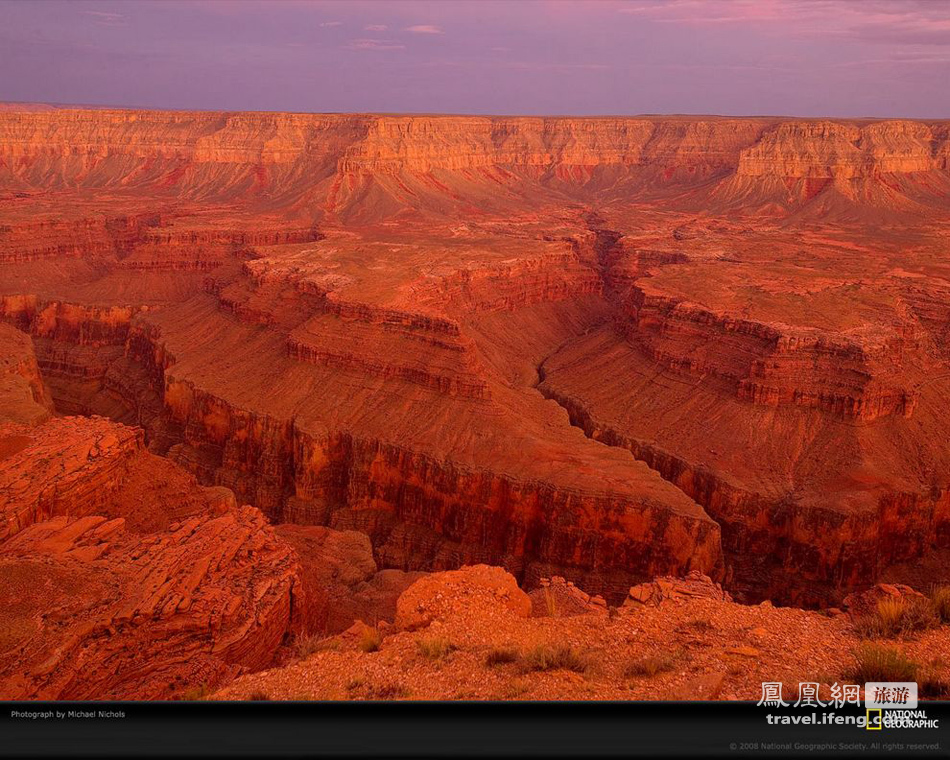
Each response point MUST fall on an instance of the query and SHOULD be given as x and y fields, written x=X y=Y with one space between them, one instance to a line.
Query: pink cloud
x=424 y=29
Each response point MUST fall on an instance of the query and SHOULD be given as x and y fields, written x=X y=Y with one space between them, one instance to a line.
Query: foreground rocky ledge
x=473 y=634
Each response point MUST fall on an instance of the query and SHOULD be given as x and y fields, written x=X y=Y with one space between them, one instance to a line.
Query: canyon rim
x=344 y=406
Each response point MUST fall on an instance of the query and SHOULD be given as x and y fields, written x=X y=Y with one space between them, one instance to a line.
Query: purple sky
x=795 y=57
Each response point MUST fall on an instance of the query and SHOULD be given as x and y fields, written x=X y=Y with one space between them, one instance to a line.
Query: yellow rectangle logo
x=877 y=722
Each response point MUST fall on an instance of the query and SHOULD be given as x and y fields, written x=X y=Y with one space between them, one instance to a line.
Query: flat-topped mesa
x=206 y=248
x=334 y=163
x=769 y=364
x=241 y=237
x=182 y=141
x=834 y=150
x=510 y=284
x=422 y=144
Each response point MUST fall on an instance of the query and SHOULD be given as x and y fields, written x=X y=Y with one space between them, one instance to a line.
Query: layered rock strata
x=348 y=319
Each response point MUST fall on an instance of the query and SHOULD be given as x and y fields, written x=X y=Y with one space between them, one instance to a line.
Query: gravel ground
x=703 y=648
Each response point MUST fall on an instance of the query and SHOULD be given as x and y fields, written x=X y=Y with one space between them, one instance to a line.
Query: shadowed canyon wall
x=389 y=323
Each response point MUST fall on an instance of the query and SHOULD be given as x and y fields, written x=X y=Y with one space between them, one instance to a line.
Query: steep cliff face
x=24 y=397
x=122 y=578
x=119 y=615
x=347 y=320
x=337 y=163
x=832 y=150
x=774 y=365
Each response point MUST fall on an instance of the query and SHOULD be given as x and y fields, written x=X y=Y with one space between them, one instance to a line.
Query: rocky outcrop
x=116 y=615
x=469 y=591
x=659 y=590
x=862 y=604
x=67 y=467
x=559 y=597
x=122 y=577
x=340 y=580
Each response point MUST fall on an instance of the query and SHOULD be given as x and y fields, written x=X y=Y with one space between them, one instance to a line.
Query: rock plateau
x=259 y=371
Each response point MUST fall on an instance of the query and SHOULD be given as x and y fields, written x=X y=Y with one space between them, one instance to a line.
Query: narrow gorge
x=606 y=349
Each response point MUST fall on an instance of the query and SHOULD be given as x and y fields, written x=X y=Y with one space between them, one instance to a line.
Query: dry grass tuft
x=370 y=639
x=874 y=662
x=195 y=694
x=940 y=600
x=501 y=656
x=304 y=646
x=650 y=665
x=896 y=617
x=436 y=648
x=556 y=657
x=390 y=690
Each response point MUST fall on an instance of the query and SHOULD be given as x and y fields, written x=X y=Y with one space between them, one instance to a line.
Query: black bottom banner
x=466 y=729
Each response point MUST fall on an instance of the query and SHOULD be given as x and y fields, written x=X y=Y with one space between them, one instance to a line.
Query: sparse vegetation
x=556 y=657
x=386 y=691
x=650 y=665
x=501 y=656
x=304 y=646
x=940 y=600
x=897 y=616
x=515 y=688
x=875 y=662
x=370 y=639
x=933 y=684
x=435 y=648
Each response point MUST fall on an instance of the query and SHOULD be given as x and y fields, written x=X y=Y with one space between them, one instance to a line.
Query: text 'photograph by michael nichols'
x=461 y=378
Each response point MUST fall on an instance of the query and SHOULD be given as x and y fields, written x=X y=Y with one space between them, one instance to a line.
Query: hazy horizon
x=684 y=115
x=797 y=58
